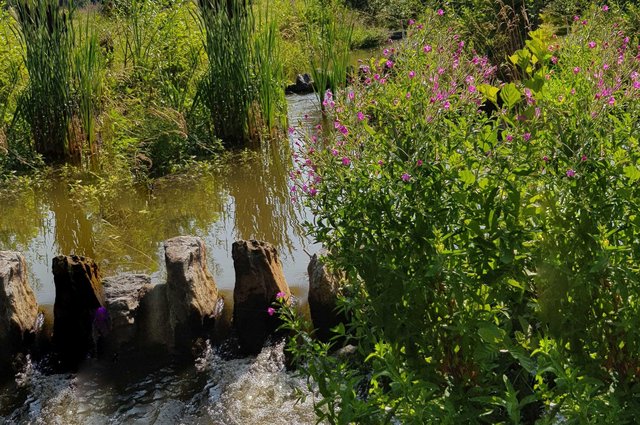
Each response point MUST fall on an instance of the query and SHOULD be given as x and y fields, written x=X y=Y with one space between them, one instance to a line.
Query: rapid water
x=245 y=199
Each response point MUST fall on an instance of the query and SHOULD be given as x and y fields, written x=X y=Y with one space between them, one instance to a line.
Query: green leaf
x=632 y=172
x=510 y=95
x=490 y=92
x=467 y=177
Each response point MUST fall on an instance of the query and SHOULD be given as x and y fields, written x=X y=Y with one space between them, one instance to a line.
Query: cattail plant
x=329 y=37
x=44 y=31
x=88 y=70
x=242 y=85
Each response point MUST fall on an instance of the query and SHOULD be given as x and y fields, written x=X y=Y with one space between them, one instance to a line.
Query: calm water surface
x=248 y=198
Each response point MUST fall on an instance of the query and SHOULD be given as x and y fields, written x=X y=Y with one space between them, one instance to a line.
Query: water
x=248 y=198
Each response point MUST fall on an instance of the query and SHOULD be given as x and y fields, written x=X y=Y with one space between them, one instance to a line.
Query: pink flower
x=419 y=163
x=509 y=138
x=570 y=173
x=281 y=295
x=472 y=89
x=360 y=116
x=605 y=8
x=313 y=191
x=351 y=95
x=412 y=74
x=426 y=48
x=526 y=136
x=334 y=152
x=406 y=177
x=345 y=160
x=576 y=18
x=592 y=44
x=292 y=130
x=408 y=95
x=446 y=105
x=440 y=12
x=636 y=84
x=389 y=64
x=380 y=162
x=612 y=101
x=411 y=22
x=545 y=158
x=554 y=60
x=576 y=70
x=271 y=311
x=583 y=158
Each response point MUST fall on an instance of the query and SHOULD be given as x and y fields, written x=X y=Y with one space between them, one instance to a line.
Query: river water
x=247 y=198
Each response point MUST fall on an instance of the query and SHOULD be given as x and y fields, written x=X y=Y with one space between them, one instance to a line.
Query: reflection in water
x=246 y=198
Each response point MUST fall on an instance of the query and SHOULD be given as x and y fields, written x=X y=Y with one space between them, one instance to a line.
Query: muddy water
x=246 y=198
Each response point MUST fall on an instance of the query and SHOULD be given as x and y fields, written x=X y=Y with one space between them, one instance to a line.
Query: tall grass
x=269 y=72
x=226 y=87
x=88 y=78
x=44 y=31
x=329 y=36
x=242 y=83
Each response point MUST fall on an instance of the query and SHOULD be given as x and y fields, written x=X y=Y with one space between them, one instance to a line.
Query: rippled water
x=247 y=198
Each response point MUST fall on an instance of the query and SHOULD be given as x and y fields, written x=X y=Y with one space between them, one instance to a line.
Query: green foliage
x=492 y=259
x=230 y=88
x=47 y=38
x=329 y=35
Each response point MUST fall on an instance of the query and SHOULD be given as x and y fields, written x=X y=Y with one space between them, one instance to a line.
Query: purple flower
x=440 y=12
x=583 y=158
x=380 y=162
x=345 y=160
x=576 y=70
x=412 y=74
x=570 y=173
x=411 y=22
x=509 y=138
x=351 y=95
x=292 y=130
x=426 y=48
x=446 y=105
x=605 y=8
x=271 y=311
x=334 y=152
x=313 y=191
x=360 y=116
x=592 y=44
x=419 y=163
x=389 y=64
x=526 y=137
x=406 y=177
x=281 y=295
x=408 y=95
x=545 y=158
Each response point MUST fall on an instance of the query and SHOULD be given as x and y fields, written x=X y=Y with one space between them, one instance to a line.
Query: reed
x=329 y=37
x=88 y=78
x=269 y=72
x=43 y=28
x=242 y=87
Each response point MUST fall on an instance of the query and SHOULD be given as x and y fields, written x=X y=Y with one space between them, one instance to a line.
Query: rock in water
x=124 y=294
x=324 y=287
x=259 y=278
x=79 y=294
x=192 y=294
x=18 y=307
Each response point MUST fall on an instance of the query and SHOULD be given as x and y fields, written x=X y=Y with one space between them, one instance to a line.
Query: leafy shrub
x=492 y=258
